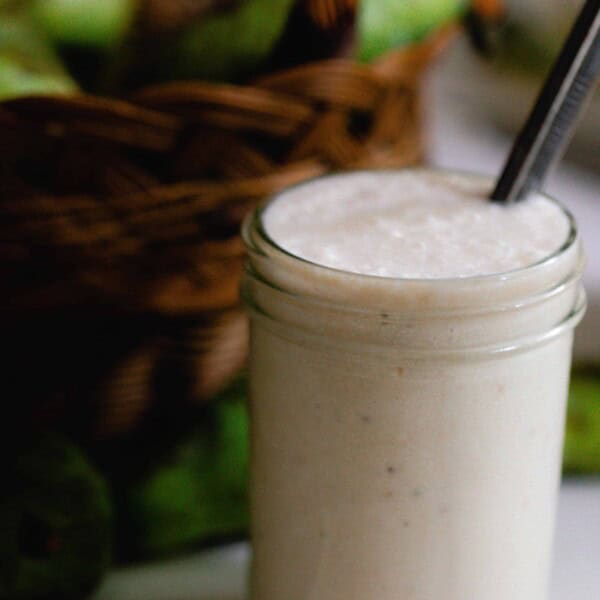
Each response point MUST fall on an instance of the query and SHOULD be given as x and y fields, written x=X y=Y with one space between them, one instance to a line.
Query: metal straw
x=551 y=124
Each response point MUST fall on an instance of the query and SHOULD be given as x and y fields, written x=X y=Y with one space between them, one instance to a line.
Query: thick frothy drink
x=408 y=225
x=410 y=353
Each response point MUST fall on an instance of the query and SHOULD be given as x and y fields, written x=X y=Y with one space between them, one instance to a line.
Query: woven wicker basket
x=119 y=243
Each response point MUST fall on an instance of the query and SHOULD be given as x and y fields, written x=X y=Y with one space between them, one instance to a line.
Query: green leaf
x=59 y=496
x=232 y=44
x=233 y=438
x=28 y=65
x=582 y=442
x=199 y=491
x=171 y=506
x=95 y=23
x=387 y=24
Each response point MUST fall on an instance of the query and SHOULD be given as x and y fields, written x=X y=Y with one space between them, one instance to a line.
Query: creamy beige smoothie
x=410 y=354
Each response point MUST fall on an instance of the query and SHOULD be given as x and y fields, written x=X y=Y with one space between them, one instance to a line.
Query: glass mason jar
x=406 y=434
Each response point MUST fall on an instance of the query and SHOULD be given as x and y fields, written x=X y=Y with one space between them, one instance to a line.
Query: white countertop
x=575 y=575
x=461 y=137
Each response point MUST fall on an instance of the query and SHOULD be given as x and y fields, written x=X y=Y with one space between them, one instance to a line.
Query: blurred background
x=134 y=137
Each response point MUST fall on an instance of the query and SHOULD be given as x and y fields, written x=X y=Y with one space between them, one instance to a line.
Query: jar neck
x=495 y=330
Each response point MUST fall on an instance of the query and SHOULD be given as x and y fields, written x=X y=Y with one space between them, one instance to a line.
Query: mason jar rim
x=254 y=222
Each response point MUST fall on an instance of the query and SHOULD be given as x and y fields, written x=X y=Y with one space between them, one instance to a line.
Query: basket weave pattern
x=133 y=206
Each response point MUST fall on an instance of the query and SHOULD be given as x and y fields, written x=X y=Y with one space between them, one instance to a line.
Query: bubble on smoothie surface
x=413 y=224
